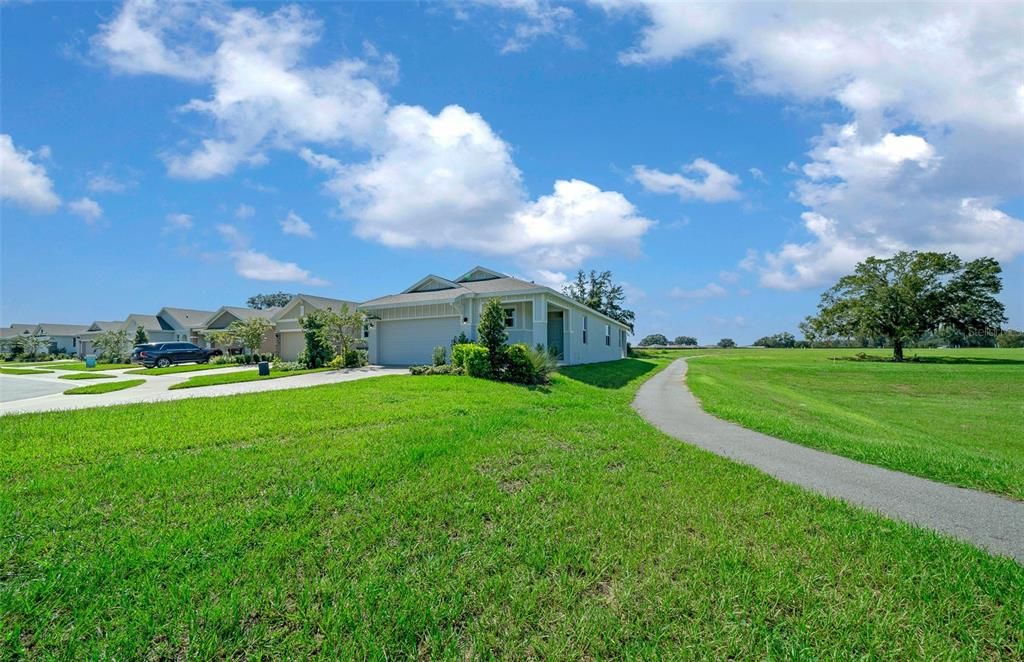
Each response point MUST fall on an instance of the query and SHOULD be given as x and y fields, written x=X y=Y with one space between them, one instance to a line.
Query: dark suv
x=163 y=354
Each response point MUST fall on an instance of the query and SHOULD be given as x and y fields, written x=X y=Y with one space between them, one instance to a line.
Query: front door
x=556 y=334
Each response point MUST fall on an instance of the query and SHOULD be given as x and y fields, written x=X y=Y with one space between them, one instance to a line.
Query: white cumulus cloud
x=437 y=180
x=87 y=208
x=294 y=225
x=936 y=118
x=24 y=181
x=255 y=265
x=711 y=183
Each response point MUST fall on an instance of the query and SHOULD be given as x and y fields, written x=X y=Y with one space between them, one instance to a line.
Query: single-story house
x=9 y=333
x=222 y=318
x=404 y=328
x=157 y=330
x=290 y=339
x=62 y=338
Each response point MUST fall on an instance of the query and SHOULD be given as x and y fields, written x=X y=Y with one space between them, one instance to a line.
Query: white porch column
x=540 y=320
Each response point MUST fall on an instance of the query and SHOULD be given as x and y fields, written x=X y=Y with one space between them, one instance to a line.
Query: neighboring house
x=185 y=322
x=86 y=338
x=9 y=333
x=156 y=331
x=404 y=328
x=290 y=339
x=222 y=318
x=63 y=338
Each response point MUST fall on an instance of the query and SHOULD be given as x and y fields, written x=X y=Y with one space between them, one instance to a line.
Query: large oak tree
x=903 y=297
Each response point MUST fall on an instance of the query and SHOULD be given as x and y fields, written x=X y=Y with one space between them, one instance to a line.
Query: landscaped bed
x=23 y=371
x=105 y=387
x=954 y=416
x=453 y=517
x=87 y=375
x=187 y=367
x=237 y=377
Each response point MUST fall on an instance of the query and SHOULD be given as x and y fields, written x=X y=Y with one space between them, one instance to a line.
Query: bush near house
x=492 y=358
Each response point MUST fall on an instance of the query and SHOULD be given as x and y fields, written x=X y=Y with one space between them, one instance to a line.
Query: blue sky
x=726 y=162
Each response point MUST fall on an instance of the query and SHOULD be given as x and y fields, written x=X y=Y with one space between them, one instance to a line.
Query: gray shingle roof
x=63 y=329
x=188 y=317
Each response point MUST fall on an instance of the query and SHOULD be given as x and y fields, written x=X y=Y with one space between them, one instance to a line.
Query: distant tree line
x=656 y=339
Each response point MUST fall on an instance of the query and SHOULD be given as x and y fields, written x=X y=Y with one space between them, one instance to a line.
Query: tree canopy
x=726 y=343
x=684 y=340
x=784 y=339
x=272 y=300
x=653 y=339
x=251 y=332
x=597 y=291
x=912 y=293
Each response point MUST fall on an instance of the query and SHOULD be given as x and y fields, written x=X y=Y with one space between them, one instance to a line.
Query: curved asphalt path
x=986 y=520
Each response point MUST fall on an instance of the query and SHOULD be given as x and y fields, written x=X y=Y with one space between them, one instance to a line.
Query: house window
x=366 y=331
x=608 y=335
x=585 y=329
x=510 y=317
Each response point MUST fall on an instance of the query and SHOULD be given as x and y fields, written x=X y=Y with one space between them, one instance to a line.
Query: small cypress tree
x=140 y=335
x=316 y=328
x=492 y=334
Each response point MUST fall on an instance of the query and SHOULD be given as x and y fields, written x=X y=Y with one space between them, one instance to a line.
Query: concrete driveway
x=39 y=393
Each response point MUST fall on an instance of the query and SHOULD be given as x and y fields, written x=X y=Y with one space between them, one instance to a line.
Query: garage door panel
x=412 y=342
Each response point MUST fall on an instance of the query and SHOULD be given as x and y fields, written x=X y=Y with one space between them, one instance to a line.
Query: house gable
x=479 y=273
x=221 y=320
x=431 y=283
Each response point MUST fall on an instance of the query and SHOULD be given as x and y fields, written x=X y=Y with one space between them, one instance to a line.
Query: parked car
x=163 y=354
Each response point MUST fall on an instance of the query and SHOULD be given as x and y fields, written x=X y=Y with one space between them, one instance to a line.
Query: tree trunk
x=897 y=351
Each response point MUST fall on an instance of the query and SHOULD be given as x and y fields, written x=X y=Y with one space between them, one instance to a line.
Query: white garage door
x=412 y=342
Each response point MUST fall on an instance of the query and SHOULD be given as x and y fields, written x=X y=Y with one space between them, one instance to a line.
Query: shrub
x=443 y=369
x=440 y=356
x=516 y=365
x=287 y=366
x=222 y=359
x=459 y=353
x=357 y=358
x=316 y=329
x=476 y=361
x=461 y=339
x=543 y=363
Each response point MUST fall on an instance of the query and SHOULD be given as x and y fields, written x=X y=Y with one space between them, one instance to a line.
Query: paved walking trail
x=986 y=520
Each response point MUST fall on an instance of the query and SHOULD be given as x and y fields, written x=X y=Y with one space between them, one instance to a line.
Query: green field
x=175 y=369
x=449 y=517
x=105 y=387
x=238 y=377
x=957 y=416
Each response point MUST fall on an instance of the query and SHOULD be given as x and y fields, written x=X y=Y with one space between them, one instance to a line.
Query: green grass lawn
x=956 y=417
x=87 y=375
x=236 y=377
x=174 y=369
x=105 y=387
x=450 y=517
x=23 y=371
x=80 y=365
x=33 y=363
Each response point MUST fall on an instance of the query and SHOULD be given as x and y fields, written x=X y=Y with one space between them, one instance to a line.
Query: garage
x=412 y=342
